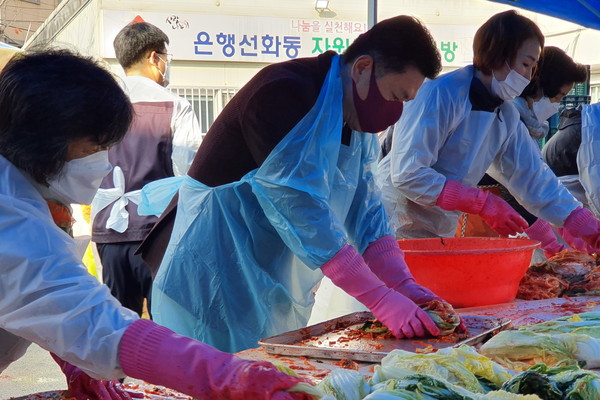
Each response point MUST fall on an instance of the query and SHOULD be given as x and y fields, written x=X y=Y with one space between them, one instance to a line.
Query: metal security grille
x=207 y=102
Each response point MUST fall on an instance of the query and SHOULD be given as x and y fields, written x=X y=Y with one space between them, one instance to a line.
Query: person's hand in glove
x=582 y=223
x=157 y=355
x=348 y=270
x=542 y=231
x=497 y=213
x=576 y=243
x=386 y=259
x=82 y=386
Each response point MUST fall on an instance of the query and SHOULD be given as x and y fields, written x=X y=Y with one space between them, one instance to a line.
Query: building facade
x=218 y=45
x=19 y=19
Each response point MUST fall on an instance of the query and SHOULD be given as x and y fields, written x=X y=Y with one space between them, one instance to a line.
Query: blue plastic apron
x=244 y=258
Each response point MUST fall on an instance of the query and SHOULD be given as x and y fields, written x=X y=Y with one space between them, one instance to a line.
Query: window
x=206 y=102
x=595 y=92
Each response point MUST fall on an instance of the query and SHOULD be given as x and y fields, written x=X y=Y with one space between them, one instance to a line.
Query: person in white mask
x=59 y=112
x=556 y=75
x=161 y=144
x=463 y=124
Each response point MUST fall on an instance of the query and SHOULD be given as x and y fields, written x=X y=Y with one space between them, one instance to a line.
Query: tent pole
x=371 y=13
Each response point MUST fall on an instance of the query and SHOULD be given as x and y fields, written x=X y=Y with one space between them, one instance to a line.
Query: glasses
x=169 y=56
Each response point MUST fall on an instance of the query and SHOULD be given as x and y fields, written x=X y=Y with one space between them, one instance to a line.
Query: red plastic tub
x=470 y=271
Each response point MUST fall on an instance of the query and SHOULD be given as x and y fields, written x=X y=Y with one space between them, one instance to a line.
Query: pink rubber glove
x=582 y=223
x=82 y=386
x=498 y=214
x=386 y=259
x=575 y=242
x=402 y=316
x=542 y=231
x=157 y=355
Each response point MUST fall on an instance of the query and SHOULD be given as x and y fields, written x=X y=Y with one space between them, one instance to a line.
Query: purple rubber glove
x=581 y=223
x=82 y=386
x=497 y=213
x=347 y=270
x=385 y=258
x=157 y=355
x=542 y=231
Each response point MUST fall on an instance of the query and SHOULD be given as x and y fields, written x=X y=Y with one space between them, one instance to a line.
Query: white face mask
x=544 y=108
x=511 y=87
x=167 y=74
x=80 y=178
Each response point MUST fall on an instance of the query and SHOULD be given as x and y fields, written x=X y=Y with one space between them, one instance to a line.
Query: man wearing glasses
x=160 y=143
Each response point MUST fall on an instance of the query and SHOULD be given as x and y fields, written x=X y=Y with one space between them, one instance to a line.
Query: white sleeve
x=187 y=136
x=520 y=168
x=588 y=156
x=419 y=135
x=48 y=297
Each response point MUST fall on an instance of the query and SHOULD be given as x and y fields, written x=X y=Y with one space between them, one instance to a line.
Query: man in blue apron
x=282 y=192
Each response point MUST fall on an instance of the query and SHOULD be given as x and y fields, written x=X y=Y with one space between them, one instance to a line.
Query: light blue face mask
x=512 y=86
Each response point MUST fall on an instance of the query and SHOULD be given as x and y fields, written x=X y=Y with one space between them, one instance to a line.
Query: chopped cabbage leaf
x=459 y=366
x=345 y=384
x=571 y=382
x=584 y=323
x=310 y=390
x=520 y=349
x=424 y=387
x=478 y=364
x=443 y=314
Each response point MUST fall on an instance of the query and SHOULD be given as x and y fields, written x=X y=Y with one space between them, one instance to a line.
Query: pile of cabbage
x=573 y=340
x=550 y=355
x=454 y=374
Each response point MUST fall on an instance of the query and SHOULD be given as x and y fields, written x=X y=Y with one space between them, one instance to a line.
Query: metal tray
x=331 y=340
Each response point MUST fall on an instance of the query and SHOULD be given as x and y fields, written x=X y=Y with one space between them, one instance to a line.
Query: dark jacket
x=246 y=132
x=560 y=153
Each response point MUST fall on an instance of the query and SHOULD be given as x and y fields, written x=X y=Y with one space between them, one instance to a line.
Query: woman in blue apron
x=251 y=239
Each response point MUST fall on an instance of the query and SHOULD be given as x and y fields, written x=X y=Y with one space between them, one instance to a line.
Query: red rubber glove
x=542 y=231
x=82 y=386
x=582 y=223
x=498 y=214
x=157 y=355
x=402 y=316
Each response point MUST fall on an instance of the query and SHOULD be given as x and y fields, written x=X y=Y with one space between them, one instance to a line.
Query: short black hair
x=133 y=43
x=396 y=43
x=50 y=98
